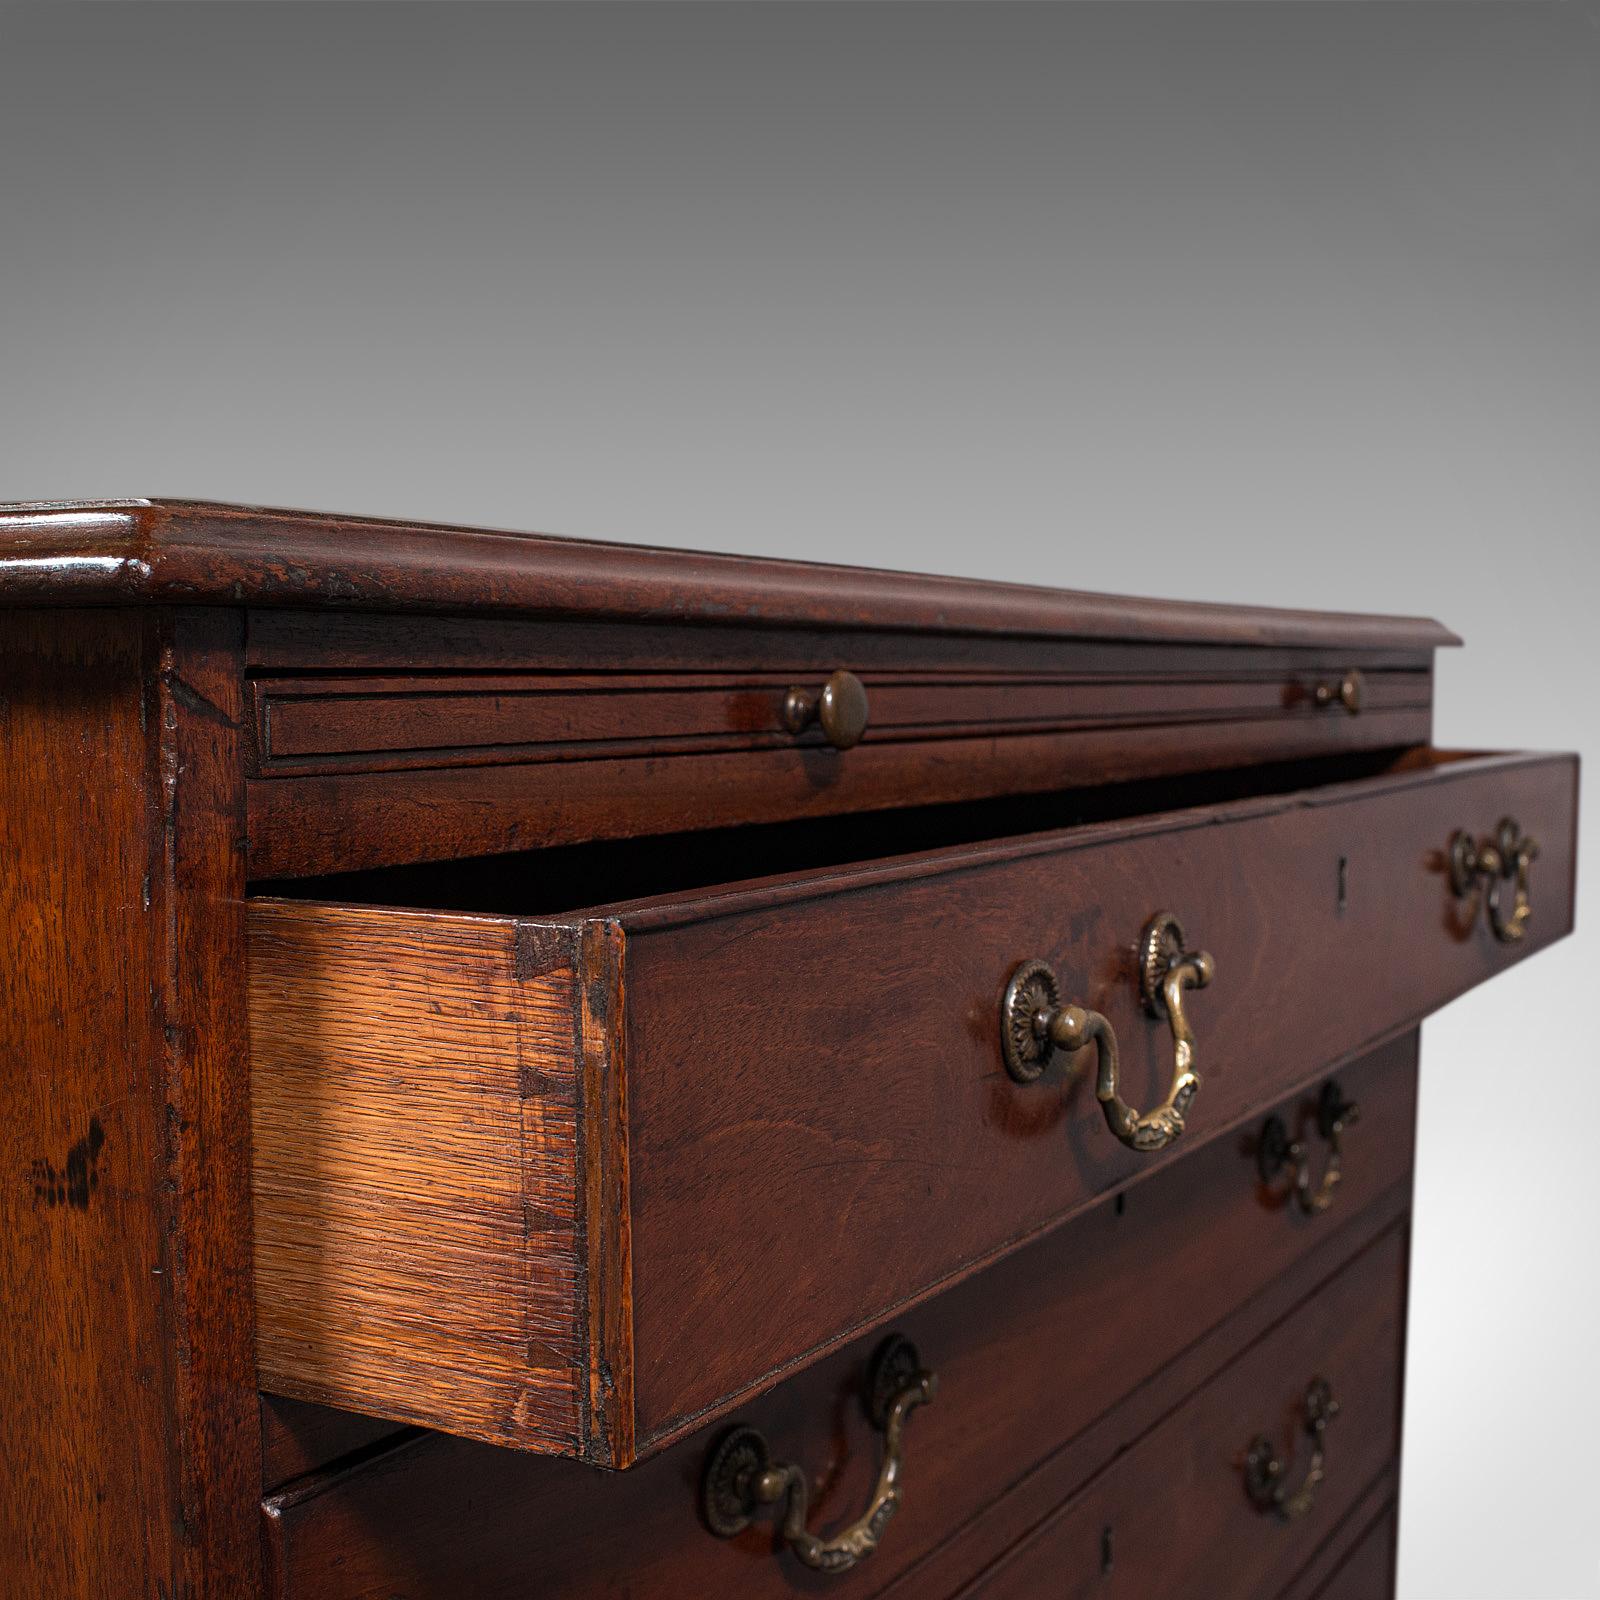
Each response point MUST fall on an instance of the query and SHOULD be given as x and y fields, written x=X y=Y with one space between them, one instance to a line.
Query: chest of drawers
x=543 y=1068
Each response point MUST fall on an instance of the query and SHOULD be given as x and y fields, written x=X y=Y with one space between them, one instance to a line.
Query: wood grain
x=590 y=1176
x=90 y=1486
x=366 y=724
x=802 y=1084
x=847 y=1072
x=364 y=760
x=198 y=896
x=324 y=822
x=287 y=641
x=395 y=739
x=1146 y=1272
x=1050 y=1363
x=1175 y=1507
x=126 y=1377
x=190 y=552
x=418 y=1247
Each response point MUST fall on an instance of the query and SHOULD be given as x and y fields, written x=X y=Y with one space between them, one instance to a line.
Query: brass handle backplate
x=1348 y=692
x=1265 y=1475
x=1275 y=1150
x=839 y=707
x=1034 y=1024
x=741 y=1478
x=1506 y=859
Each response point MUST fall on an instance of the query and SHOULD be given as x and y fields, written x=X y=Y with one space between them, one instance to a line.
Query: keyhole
x=1344 y=883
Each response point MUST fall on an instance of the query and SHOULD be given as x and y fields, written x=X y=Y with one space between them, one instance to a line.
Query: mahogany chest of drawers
x=548 y=1069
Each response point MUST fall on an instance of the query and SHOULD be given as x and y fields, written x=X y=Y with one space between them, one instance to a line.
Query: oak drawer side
x=414 y=1107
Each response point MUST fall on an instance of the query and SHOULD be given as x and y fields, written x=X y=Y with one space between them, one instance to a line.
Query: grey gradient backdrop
x=1291 y=304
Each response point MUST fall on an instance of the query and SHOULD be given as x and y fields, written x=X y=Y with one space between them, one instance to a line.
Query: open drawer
x=580 y=1181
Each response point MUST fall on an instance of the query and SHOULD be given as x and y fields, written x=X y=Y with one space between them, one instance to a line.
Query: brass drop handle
x=840 y=706
x=1265 y=1475
x=1506 y=859
x=741 y=1478
x=1275 y=1150
x=1348 y=692
x=1034 y=1024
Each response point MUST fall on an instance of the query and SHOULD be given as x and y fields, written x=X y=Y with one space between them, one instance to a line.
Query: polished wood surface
x=1174 y=1506
x=288 y=641
x=198 y=892
x=1049 y=1363
x=1136 y=1326
x=623 y=1064
x=319 y=823
x=126 y=1365
x=194 y=552
x=380 y=724
x=840 y=1022
x=870 y=999
x=1236 y=1232
x=394 y=741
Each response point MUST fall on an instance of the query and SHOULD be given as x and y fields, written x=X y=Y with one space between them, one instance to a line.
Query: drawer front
x=416 y=721
x=1047 y=1364
x=1185 y=1513
x=581 y=1184
x=1367 y=1573
x=411 y=738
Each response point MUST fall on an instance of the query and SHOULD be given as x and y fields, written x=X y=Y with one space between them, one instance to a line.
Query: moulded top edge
x=174 y=552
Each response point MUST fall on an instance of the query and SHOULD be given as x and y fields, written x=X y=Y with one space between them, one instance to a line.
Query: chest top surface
x=179 y=552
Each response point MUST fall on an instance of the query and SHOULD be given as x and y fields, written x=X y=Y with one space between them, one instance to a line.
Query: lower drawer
x=1233 y=1493
x=1367 y=1573
x=1049 y=1363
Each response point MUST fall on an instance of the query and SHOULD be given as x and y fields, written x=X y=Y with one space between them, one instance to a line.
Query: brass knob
x=1347 y=692
x=741 y=1477
x=840 y=706
x=1264 y=1469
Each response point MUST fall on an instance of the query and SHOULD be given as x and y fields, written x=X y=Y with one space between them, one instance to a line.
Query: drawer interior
x=565 y=878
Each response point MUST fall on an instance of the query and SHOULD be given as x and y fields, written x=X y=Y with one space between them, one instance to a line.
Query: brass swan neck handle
x=1265 y=1473
x=1505 y=860
x=1275 y=1150
x=741 y=1478
x=1034 y=1024
x=1166 y=969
